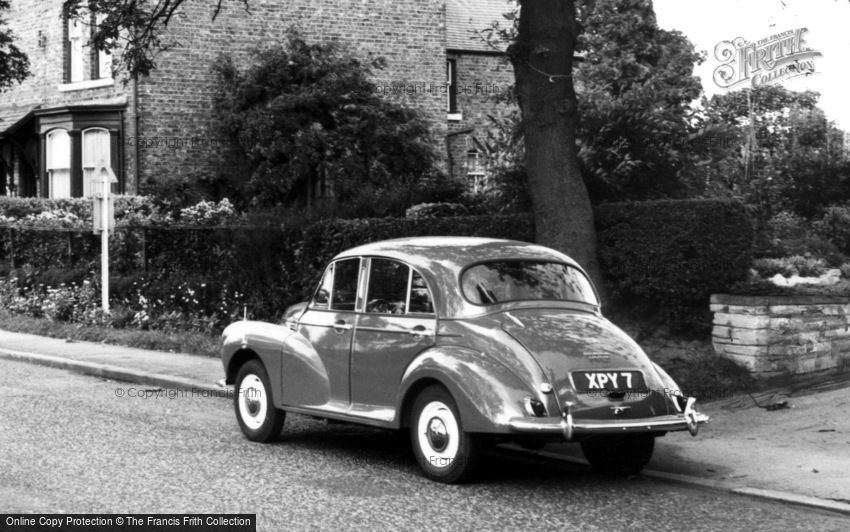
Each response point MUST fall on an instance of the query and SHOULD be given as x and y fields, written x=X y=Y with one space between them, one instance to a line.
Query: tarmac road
x=78 y=444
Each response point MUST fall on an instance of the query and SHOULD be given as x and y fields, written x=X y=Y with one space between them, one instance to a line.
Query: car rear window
x=495 y=282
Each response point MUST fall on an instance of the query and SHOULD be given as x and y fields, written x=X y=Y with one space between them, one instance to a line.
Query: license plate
x=592 y=381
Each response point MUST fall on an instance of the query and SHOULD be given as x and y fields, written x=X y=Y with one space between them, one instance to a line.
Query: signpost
x=103 y=218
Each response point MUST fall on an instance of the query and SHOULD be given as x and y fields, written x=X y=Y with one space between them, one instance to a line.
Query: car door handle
x=421 y=330
x=340 y=326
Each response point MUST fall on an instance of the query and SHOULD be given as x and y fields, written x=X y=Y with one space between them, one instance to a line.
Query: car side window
x=420 y=296
x=344 y=293
x=387 y=292
x=322 y=297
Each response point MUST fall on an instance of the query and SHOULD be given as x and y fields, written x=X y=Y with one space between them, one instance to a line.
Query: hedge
x=673 y=254
x=670 y=255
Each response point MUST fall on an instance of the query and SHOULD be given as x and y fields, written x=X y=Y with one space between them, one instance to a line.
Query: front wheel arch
x=238 y=359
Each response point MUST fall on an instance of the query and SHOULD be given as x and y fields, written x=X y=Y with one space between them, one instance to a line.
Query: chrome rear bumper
x=689 y=420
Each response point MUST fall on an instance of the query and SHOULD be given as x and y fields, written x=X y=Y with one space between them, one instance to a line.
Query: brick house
x=72 y=115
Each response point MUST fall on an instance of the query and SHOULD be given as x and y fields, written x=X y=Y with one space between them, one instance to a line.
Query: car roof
x=441 y=259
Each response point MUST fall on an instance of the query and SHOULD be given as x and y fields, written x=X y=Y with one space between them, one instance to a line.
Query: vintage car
x=464 y=342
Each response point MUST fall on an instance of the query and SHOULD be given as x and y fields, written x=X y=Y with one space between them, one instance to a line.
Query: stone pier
x=782 y=334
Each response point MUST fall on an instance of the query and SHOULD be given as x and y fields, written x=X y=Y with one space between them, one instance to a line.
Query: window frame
x=451 y=82
x=76 y=34
x=79 y=54
x=577 y=268
x=83 y=162
x=332 y=268
x=101 y=59
x=50 y=164
x=410 y=270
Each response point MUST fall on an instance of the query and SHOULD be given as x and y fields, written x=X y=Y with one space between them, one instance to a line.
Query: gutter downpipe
x=136 y=135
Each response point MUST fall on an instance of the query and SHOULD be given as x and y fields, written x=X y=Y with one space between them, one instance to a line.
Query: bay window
x=58 y=158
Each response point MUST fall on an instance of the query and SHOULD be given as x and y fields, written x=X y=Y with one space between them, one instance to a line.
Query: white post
x=104 y=246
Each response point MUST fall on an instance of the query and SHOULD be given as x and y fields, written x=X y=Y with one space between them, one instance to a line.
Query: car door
x=328 y=326
x=397 y=323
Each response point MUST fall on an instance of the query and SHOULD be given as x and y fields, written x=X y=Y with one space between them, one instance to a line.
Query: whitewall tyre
x=258 y=418
x=445 y=452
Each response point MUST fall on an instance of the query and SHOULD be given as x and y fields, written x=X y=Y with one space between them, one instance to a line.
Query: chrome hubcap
x=438 y=435
x=253 y=405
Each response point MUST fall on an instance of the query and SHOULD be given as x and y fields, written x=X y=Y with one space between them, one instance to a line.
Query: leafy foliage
x=634 y=85
x=43 y=213
x=669 y=256
x=834 y=226
x=196 y=279
x=788 y=266
x=774 y=149
x=307 y=117
x=425 y=210
x=665 y=256
x=634 y=88
x=14 y=63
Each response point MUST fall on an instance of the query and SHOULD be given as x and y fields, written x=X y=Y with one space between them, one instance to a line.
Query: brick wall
x=176 y=100
x=483 y=80
x=41 y=34
x=176 y=135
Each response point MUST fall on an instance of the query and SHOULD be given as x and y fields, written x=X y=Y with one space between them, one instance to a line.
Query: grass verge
x=175 y=342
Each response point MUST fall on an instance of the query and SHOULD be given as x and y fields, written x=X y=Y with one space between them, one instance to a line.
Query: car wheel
x=258 y=418
x=444 y=451
x=620 y=455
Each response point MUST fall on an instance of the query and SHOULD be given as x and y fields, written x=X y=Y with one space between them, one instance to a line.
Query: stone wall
x=782 y=334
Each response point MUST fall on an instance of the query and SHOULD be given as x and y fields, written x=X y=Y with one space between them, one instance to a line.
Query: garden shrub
x=807 y=266
x=43 y=213
x=671 y=255
x=768 y=267
x=788 y=234
x=804 y=266
x=834 y=226
x=786 y=224
x=427 y=210
x=810 y=245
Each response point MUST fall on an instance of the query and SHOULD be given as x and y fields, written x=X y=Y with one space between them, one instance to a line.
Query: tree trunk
x=542 y=57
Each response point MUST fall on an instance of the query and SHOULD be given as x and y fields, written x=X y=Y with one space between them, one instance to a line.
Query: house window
x=58 y=155
x=76 y=49
x=104 y=58
x=96 y=154
x=451 y=83
x=476 y=169
x=83 y=62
